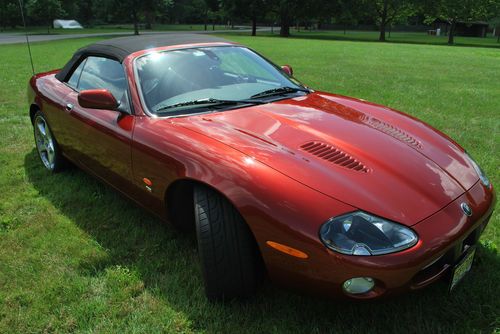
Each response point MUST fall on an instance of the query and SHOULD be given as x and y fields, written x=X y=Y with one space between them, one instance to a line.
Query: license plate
x=462 y=268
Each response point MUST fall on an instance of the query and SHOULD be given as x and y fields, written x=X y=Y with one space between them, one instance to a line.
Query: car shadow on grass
x=166 y=262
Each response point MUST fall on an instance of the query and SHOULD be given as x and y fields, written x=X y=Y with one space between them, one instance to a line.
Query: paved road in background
x=13 y=38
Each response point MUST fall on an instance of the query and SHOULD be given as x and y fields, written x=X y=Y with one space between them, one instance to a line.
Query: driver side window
x=101 y=73
x=75 y=77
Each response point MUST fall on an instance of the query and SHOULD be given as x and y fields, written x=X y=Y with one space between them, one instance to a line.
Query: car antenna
x=26 y=34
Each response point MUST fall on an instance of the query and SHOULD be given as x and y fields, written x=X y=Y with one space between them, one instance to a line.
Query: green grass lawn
x=77 y=257
x=394 y=37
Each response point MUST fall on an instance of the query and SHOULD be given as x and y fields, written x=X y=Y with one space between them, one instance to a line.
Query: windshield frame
x=149 y=113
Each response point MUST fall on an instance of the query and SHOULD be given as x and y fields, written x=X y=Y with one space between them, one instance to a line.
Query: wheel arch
x=33 y=109
x=179 y=199
x=179 y=205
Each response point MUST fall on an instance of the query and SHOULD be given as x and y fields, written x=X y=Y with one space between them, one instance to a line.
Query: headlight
x=482 y=176
x=359 y=233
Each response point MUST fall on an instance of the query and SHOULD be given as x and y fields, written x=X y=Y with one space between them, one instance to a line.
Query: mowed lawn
x=77 y=257
x=397 y=37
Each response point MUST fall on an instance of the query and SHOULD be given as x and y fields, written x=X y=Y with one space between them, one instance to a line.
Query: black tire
x=228 y=253
x=52 y=158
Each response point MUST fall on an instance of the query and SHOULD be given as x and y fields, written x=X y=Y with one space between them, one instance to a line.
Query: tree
x=495 y=19
x=85 y=11
x=287 y=11
x=10 y=13
x=45 y=11
x=344 y=12
x=348 y=13
x=211 y=8
x=71 y=8
x=137 y=10
x=246 y=9
x=495 y=23
x=388 y=11
x=454 y=11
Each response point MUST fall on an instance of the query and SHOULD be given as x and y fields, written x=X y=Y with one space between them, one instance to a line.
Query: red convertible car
x=320 y=192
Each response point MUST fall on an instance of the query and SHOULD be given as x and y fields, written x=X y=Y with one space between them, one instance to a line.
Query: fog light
x=358 y=285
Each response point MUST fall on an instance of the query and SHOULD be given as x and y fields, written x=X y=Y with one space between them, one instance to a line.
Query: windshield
x=174 y=81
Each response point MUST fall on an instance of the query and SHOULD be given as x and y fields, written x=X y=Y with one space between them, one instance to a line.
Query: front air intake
x=334 y=156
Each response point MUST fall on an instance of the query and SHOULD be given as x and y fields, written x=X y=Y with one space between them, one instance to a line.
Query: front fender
x=276 y=207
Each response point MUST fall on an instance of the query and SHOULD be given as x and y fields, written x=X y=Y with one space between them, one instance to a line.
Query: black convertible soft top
x=119 y=48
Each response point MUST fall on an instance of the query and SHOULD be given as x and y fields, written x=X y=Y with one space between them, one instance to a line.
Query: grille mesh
x=333 y=155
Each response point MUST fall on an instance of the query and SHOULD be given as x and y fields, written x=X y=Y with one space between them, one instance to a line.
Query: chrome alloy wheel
x=44 y=143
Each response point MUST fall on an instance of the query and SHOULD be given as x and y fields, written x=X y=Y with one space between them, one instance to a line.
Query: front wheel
x=229 y=257
x=46 y=145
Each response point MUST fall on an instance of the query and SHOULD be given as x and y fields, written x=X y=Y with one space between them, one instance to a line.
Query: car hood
x=365 y=155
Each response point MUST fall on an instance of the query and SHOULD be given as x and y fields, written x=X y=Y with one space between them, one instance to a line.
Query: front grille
x=334 y=156
x=449 y=258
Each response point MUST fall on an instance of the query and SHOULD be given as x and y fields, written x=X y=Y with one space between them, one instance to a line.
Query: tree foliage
x=45 y=11
x=460 y=11
x=387 y=12
x=252 y=10
x=10 y=15
x=285 y=13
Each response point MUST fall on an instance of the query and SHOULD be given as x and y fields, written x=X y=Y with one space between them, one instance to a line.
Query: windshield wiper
x=279 y=91
x=209 y=102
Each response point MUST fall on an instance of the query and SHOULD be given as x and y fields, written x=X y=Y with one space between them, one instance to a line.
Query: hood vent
x=333 y=155
x=394 y=132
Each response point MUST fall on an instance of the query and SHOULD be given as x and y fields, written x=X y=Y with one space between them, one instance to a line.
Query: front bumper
x=443 y=239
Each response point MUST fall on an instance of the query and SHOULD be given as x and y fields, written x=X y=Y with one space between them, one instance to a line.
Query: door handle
x=69 y=107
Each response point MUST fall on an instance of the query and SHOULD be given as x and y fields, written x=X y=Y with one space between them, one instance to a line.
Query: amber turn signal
x=287 y=250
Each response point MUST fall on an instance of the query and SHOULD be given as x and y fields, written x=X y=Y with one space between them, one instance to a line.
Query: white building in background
x=67 y=24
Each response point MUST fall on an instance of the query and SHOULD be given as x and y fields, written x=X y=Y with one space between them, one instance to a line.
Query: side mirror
x=97 y=99
x=287 y=69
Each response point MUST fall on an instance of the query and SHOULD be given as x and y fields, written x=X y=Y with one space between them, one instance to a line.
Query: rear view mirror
x=287 y=69
x=97 y=99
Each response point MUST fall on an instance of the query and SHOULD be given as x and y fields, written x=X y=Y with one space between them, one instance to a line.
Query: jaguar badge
x=466 y=209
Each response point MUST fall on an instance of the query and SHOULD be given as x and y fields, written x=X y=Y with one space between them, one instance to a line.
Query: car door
x=100 y=140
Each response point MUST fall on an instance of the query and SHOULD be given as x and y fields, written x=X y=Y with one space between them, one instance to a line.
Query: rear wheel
x=228 y=253
x=46 y=145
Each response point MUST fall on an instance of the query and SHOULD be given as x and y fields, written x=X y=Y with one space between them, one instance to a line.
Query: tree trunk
x=149 y=20
x=451 y=34
x=381 y=37
x=136 y=23
x=345 y=28
x=254 y=25
x=206 y=19
x=383 y=22
x=213 y=25
x=285 y=29
x=285 y=24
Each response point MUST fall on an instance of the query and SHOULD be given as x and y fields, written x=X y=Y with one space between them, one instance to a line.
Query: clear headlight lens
x=482 y=176
x=359 y=233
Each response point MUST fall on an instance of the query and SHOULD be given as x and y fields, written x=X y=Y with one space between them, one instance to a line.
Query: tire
x=46 y=145
x=228 y=253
